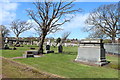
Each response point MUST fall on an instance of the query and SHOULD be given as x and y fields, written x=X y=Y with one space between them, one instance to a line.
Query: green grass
x=16 y=53
x=11 y=69
x=63 y=65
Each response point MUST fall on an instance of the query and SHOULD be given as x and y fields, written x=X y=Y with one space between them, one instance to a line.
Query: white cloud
x=76 y=22
x=7 y=11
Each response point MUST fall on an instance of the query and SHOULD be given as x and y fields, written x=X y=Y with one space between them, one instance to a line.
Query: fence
x=113 y=48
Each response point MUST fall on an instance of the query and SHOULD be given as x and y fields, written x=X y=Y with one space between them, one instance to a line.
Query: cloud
x=75 y=26
x=7 y=11
x=76 y=22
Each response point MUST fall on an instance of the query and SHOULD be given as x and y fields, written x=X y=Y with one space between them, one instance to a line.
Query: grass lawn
x=12 y=69
x=63 y=65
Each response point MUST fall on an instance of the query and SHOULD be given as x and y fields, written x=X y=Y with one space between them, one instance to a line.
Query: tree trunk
x=40 y=50
x=17 y=39
x=113 y=39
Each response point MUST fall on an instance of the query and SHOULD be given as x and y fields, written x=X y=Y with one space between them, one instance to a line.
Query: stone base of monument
x=48 y=51
x=92 y=63
x=32 y=48
x=30 y=53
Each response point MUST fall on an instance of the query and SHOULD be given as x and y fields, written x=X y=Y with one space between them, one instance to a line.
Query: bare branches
x=48 y=14
x=19 y=27
x=5 y=32
x=106 y=19
x=65 y=36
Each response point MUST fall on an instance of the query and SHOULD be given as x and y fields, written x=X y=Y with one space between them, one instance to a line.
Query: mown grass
x=11 y=69
x=62 y=64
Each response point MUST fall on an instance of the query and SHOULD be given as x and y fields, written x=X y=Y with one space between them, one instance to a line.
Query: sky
x=17 y=10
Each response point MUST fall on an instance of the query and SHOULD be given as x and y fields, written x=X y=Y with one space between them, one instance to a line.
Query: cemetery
x=63 y=60
x=63 y=64
x=58 y=40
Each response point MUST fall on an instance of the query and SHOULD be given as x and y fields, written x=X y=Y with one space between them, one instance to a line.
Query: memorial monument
x=91 y=52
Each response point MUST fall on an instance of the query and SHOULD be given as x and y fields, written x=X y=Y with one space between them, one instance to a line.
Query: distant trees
x=47 y=15
x=19 y=27
x=5 y=32
x=105 y=20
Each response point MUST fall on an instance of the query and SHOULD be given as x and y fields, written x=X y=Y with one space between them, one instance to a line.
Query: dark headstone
x=6 y=46
x=60 y=48
x=47 y=47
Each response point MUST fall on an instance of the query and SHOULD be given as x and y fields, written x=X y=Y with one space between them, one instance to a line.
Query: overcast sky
x=16 y=10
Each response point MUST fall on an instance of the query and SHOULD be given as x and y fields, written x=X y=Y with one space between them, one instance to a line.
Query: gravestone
x=60 y=48
x=6 y=46
x=91 y=52
x=1 y=39
x=6 y=40
x=11 y=43
x=47 y=47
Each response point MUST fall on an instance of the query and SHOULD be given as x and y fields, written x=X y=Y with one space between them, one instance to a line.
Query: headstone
x=6 y=40
x=1 y=39
x=31 y=42
x=47 y=47
x=6 y=46
x=91 y=52
x=60 y=49
x=10 y=43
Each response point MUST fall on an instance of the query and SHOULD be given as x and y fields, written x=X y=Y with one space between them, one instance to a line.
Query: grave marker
x=91 y=52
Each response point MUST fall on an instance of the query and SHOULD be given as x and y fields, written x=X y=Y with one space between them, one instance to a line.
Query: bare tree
x=5 y=31
x=97 y=33
x=38 y=32
x=65 y=36
x=47 y=15
x=19 y=27
x=106 y=19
